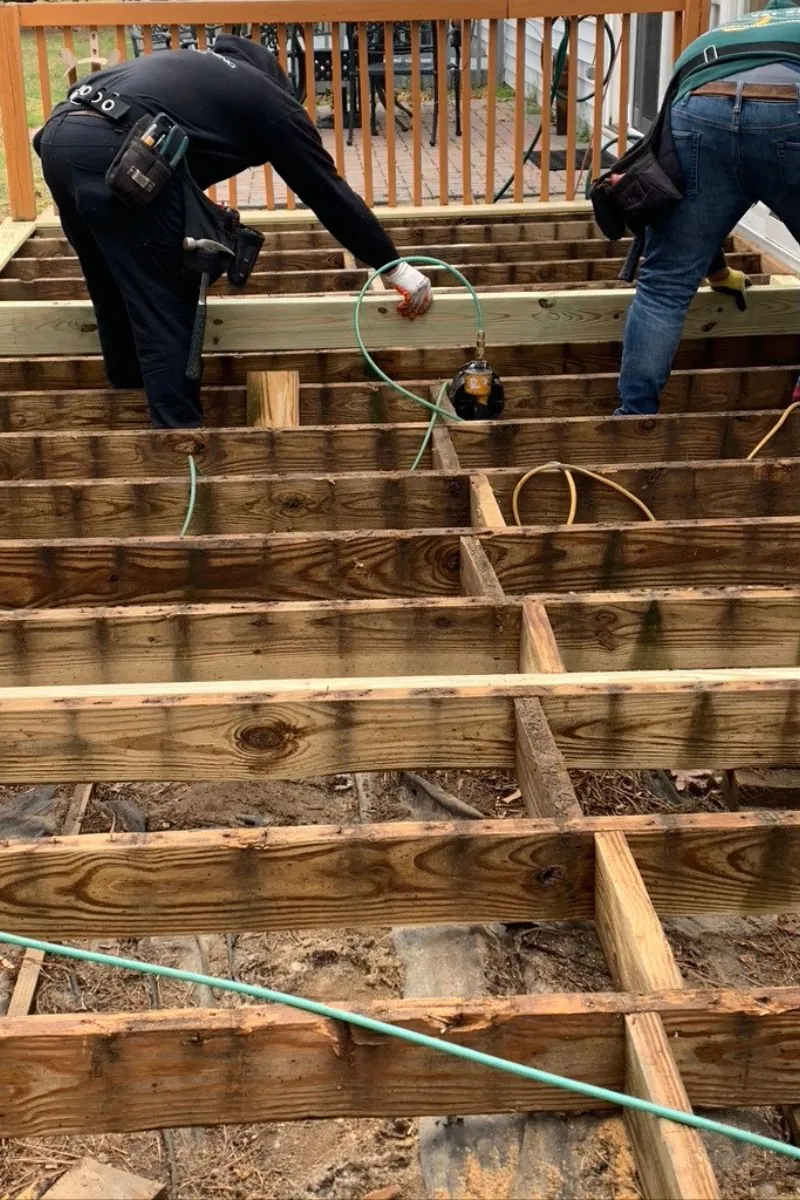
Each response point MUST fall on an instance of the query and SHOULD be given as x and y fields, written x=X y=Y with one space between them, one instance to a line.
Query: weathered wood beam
x=143 y=453
x=289 y=729
x=273 y=399
x=13 y=236
x=95 y=1072
x=337 y=366
x=716 y=389
x=212 y=881
x=289 y=640
x=367 y=565
x=291 y=322
x=674 y=629
x=524 y=272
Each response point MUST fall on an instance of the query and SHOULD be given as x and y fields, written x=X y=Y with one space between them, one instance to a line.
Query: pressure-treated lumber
x=672 y=1160
x=150 y=453
x=677 y=628
x=401 y=873
x=293 y=729
x=279 y=503
x=95 y=1072
x=273 y=399
x=33 y=327
x=13 y=235
x=546 y=395
x=520 y=358
x=290 y=640
x=31 y=965
x=370 y=565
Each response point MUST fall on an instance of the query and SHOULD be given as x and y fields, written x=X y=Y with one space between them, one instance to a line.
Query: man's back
x=225 y=102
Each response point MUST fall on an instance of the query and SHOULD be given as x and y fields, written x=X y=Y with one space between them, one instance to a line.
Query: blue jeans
x=733 y=151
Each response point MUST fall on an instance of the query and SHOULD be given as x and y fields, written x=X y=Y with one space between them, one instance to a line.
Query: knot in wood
x=278 y=737
x=547 y=877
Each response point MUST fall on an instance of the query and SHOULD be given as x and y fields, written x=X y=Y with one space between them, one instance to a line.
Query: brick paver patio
x=251 y=187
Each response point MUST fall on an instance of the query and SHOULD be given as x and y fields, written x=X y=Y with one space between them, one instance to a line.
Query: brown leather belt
x=83 y=112
x=750 y=91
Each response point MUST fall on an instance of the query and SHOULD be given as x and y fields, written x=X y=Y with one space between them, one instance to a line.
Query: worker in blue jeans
x=736 y=129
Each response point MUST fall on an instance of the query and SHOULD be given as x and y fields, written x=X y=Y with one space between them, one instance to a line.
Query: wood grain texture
x=293 y=729
x=234 y=505
x=633 y=941
x=663 y=438
x=407 y=363
x=68 y=327
x=273 y=399
x=288 y=640
x=477 y=574
x=676 y=629
x=240 y=568
x=539 y=650
x=93 y=1072
x=206 y=881
x=150 y=453
x=672 y=1159
x=485 y=511
x=540 y=767
x=13 y=236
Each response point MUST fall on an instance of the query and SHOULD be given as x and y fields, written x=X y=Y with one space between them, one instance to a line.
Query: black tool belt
x=642 y=186
x=154 y=153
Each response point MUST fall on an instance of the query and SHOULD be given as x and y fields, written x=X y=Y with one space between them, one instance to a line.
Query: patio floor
x=251 y=187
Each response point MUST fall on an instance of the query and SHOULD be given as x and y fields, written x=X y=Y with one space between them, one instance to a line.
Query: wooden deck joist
x=402 y=873
x=291 y=322
x=142 y=454
x=95 y=1072
x=718 y=389
x=304 y=503
x=577 y=359
x=668 y=629
x=363 y=565
x=294 y=729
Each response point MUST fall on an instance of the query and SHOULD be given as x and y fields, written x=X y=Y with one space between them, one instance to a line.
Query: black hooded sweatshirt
x=236 y=105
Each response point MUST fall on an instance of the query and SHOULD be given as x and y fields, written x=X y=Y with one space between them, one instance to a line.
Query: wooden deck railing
x=415 y=152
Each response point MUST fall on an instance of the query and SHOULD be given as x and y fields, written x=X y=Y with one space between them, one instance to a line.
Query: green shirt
x=778 y=21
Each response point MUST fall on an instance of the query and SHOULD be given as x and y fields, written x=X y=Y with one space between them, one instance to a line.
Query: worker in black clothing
x=236 y=106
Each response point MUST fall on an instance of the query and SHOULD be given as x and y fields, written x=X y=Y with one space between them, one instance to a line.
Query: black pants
x=144 y=299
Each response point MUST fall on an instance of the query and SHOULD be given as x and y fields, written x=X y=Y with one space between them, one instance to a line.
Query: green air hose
x=435 y=409
x=592 y=1091
x=192 y=495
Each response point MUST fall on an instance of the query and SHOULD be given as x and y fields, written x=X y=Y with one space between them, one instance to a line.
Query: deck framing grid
x=157 y=639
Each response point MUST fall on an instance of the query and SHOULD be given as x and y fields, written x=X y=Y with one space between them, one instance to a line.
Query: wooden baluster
x=338 y=108
x=311 y=82
x=147 y=39
x=624 y=80
x=391 y=143
x=16 y=139
x=69 y=47
x=416 y=114
x=519 y=111
x=572 y=108
x=442 y=92
x=174 y=37
x=283 y=59
x=364 y=93
x=599 y=90
x=43 y=67
x=677 y=34
x=547 y=108
x=491 y=110
x=94 y=49
x=466 y=112
x=122 y=47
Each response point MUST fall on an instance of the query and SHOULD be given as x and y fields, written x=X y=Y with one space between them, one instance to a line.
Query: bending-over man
x=736 y=127
x=236 y=107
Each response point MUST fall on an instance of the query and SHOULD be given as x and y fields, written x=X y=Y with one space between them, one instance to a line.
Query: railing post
x=19 y=169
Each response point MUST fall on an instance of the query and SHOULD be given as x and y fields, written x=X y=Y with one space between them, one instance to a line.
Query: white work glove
x=414 y=287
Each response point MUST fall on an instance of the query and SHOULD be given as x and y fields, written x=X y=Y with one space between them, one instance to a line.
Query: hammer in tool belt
x=206 y=256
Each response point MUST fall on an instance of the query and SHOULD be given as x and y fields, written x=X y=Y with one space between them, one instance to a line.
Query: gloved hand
x=731 y=283
x=414 y=287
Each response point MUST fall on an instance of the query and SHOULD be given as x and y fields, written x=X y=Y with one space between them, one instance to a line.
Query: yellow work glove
x=731 y=283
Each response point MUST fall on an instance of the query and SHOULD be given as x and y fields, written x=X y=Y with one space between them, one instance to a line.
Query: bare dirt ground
x=349 y=1160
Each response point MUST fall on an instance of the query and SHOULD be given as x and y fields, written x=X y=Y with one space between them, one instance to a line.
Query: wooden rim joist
x=330 y=611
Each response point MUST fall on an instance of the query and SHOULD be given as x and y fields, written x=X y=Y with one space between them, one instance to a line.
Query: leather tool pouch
x=138 y=175
x=633 y=195
x=205 y=219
